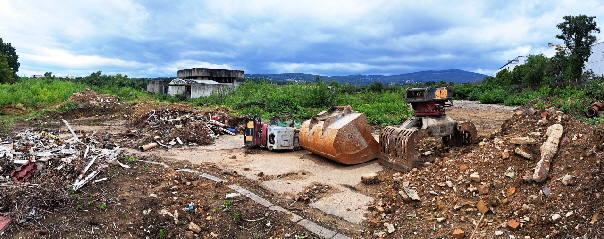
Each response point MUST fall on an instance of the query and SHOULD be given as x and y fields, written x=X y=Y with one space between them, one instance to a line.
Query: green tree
x=535 y=70
x=577 y=36
x=12 y=58
x=6 y=73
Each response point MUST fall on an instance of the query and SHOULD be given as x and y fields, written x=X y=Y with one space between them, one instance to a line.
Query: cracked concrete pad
x=348 y=205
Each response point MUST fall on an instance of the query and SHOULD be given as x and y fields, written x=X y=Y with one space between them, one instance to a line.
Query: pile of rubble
x=179 y=127
x=38 y=170
x=90 y=103
x=539 y=177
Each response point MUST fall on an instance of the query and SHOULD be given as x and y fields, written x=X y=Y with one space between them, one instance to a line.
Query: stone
x=412 y=193
x=404 y=196
x=498 y=233
x=232 y=195
x=522 y=140
x=505 y=154
x=370 y=178
x=548 y=150
x=475 y=177
x=556 y=217
x=189 y=235
x=513 y=224
x=568 y=180
x=523 y=153
x=194 y=227
x=484 y=189
x=463 y=168
x=458 y=233
x=389 y=227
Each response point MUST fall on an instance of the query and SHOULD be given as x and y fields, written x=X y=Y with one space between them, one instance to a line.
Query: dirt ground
x=150 y=196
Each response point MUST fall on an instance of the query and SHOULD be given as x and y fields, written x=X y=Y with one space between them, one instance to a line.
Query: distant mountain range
x=454 y=75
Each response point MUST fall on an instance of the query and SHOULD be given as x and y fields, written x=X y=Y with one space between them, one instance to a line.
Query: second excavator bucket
x=398 y=144
x=340 y=134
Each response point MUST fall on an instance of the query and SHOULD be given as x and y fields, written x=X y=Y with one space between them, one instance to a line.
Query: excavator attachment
x=340 y=134
x=398 y=145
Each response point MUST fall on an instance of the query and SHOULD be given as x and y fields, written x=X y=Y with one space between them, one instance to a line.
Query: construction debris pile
x=39 y=170
x=178 y=127
x=541 y=176
x=90 y=103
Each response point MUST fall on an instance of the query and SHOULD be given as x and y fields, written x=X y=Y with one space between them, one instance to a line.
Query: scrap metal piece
x=594 y=109
x=340 y=134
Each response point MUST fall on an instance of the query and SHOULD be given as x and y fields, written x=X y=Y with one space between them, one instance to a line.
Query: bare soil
x=132 y=202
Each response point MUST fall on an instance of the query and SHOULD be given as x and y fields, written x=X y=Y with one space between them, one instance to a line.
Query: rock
x=449 y=184
x=511 y=192
x=523 y=153
x=505 y=154
x=194 y=227
x=389 y=227
x=458 y=233
x=232 y=195
x=482 y=207
x=513 y=224
x=568 y=180
x=463 y=168
x=484 y=189
x=498 y=233
x=412 y=193
x=440 y=219
x=189 y=235
x=556 y=217
x=522 y=140
x=233 y=157
x=548 y=150
x=405 y=197
x=475 y=177
x=370 y=178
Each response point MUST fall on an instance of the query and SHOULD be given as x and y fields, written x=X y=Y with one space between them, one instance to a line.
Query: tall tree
x=576 y=34
x=11 y=56
x=6 y=73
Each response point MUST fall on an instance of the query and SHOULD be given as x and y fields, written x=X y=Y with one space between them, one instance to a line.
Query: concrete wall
x=176 y=89
x=157 y=87
x=200 y=90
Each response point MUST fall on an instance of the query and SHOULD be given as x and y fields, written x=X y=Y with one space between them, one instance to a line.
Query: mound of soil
x=485 y=191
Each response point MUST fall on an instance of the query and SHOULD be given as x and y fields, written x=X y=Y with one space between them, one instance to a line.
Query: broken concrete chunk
x=523 y=153
x=194 y=227
x=475 y=177
x=370 y=178
x=389 y=227
x=548 y=150
x=412 y=193
x=568 y=180
x=522 y=140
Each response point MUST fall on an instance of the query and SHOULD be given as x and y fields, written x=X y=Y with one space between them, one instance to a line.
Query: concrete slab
x=290 y=173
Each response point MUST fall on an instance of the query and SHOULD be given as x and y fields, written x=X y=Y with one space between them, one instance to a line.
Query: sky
x=155 y=38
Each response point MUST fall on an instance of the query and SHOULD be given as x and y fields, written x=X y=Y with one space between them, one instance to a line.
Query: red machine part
x=431 y=108
x=25 y=171
x=255 y=133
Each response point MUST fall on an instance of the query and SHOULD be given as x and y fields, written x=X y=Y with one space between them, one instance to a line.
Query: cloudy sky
x=331 y=38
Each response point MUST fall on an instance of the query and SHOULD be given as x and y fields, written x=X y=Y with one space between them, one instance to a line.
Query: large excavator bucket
x=398 y=143
x=340 y=134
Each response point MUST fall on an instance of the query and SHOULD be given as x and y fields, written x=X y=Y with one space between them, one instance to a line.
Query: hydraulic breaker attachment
x=398 y=145
x=340 y=134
